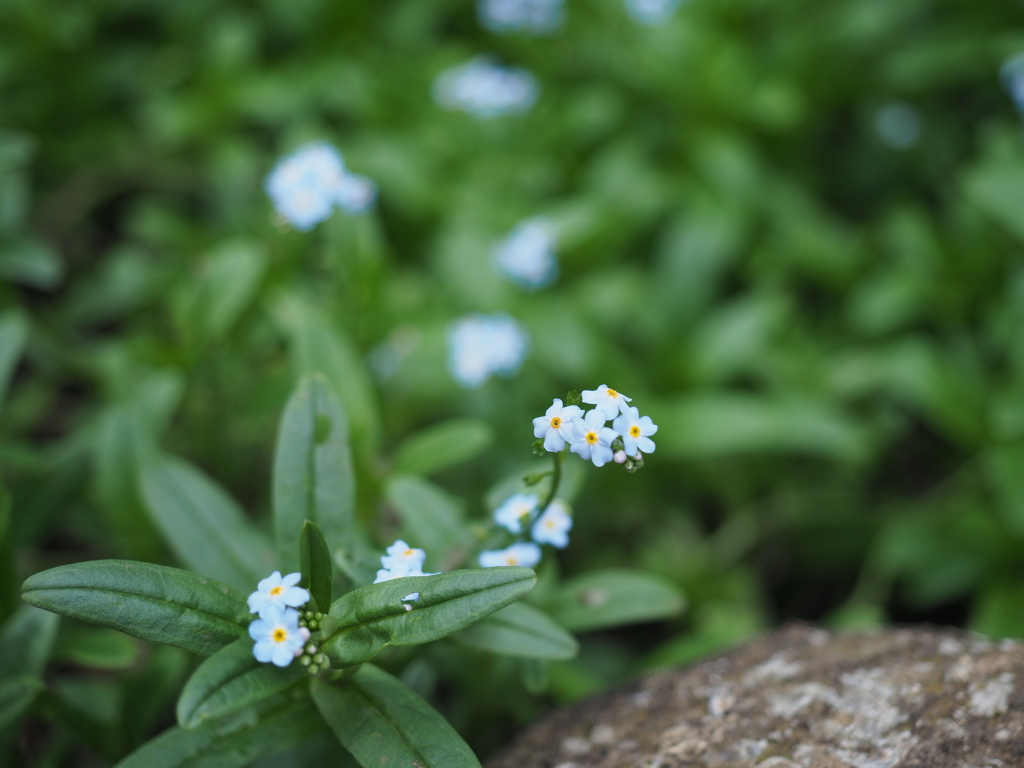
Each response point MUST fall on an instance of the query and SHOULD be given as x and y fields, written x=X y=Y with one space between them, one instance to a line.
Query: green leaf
x=431 y=518
x=995 y=187
x=315 y=565
x=14 y=329
x=97 y=648
x=230 y=680
x=152 y=602
x=313 y=476
x=613 y=597
x=274 y=725
x=16 y=696
x=376 y=615
x=443 y=445
x=231 y=276
x=382 y=722
x=26 y=642
x=520 y=630
x=30 y=262
x=203 y=525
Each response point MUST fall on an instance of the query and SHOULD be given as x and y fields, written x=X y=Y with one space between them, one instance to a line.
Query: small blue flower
x=306 y=185
x=514 y=510
x=556 y=425
x=401 y=553
x=652 y=12
x=527 y=254
x=485 y=89
x=400 y=570
x=482 y=345
x=553 y=526
x=279 y=639
x=592 y=440
x=278 y=591
x=541 y=17
x=521 y=553
x=608 y=401
x=634 y=430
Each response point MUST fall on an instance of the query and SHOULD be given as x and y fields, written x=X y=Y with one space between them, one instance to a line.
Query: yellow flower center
x=634 y=431
x=549 y=524
x=612 y=393
x=591 y=437
x=407 y=553
x=280 y=635
x=510 y=560
x=556 y=422
x=276 y=591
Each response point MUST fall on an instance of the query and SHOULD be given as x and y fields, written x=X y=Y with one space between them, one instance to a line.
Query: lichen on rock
x=803 y=698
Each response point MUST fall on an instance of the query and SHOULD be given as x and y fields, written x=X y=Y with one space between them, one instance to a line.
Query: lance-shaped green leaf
x=26 y=642
x=203 y=525
x=313 y=477
x=383 y=722
x=153 y=602
x=97 y=648
x=520 y=630
x=16 y=696
x=315 y=565
x=274 y=725
x=230 y=680
x=613 y=597
x=443 y=445
x=431 y=517
x=13 y=333
x=389 y=613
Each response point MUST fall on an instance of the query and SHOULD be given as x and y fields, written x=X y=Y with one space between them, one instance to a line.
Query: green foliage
x=609 y=598
x=379 y=720
x=315 y=565
x=443 y=446
x=521 y=630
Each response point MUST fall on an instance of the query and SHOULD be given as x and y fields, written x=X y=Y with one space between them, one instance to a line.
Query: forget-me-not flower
x=306 y=185
x=652 y=12
x=514 y=510
x=608 y=401
x=540 y=17
x=484 y=88
x=521 y=553
x=553 y=526
x=482 y=345
x=527 y=253
x=555 y=426
x=401 y=553
x=592 y=440
x=279 y=639
x=635 y=431
x=278 y=590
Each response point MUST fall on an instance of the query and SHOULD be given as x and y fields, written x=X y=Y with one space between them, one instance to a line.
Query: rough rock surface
x=804 y=698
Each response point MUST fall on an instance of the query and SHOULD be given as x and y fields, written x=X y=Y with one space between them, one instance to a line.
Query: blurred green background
x=791 y=230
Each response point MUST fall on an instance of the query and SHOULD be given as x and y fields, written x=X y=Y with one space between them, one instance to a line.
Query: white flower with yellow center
x=514 y=510
x=635 y=430
x=279 y=591
x=521 y=553
x=400 y=553
x=608 y=401
x=553 y=526
x=279 y=639
x=592 y=440
x=555 y=426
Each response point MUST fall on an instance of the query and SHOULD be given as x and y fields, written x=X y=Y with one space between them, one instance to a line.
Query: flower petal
x=554 y=441
x=283 y=655
x=296 y=596
x=263 y=651
x=291 y=579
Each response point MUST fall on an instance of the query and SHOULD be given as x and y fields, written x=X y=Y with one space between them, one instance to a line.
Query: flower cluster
x=485 y=89
x=652 y=12
x=527 y=254
x=306 y=185
x=588 y=435
x=482 y=345
x=1012 y=73
x=401 y=560
x=520 y=513
x=541 y=17
x=281 y=632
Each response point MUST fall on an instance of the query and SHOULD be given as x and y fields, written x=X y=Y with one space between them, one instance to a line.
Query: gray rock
x=803 y=698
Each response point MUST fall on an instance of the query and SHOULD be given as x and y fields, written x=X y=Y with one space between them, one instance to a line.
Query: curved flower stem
x=556 y=479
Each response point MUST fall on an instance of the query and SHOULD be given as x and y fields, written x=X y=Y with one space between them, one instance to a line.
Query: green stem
x=555 y=480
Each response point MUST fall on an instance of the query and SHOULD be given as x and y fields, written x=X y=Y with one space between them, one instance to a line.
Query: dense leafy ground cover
x=792 y=230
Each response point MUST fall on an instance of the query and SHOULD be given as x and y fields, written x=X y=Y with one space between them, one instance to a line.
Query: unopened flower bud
x=305 y=661
x=304 y=632
x=620 y=457
x=313 y=669
x=311 y=649
x=638 y=456
x=320 y=659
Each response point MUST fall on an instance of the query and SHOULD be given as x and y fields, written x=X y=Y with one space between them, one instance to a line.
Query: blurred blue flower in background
x=484 y=88
x=527 y=253
x=482 y=345
x=514 y=510
x=554 y=525
x=898 y=126
x=1013 y=78
x=652 y=11
x=540 y=17
x=526 y=554
x=306 y=185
